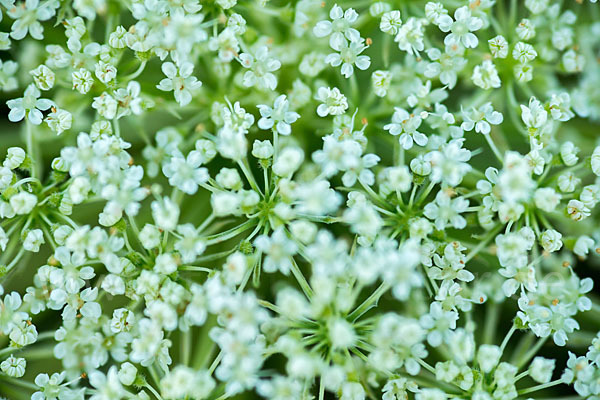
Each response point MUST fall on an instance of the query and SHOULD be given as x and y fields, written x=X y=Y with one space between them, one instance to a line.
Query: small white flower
x=498 y=46
x=185 y=173
x=180 y=81
x=583 y=245
x=340 y=27
x=14 y=157
x=381 y=82
x=541 y=369
x=410 y=36
x=551 y=240
x=524 y=52
x=43 y=77
x=446 y=211
x=33 y=240
x=406 y=125
x=577 y=210
x=461 y=28
x=279 y=117
x=59 y=120
x=23 y=202
x=348 y=56
x=481 y=119
x=333 y=102
x=262 y=149
x=568 y=153
x=486 y=76
x=595 y=161
x=29 y=105
x=127 y=373
x=13 y=366
x=165 y=213
x=279 y=251
x=82 y=80
x=488 y=357
x=165 y=264
x=391 y=22
x=288 y=161
x=105 y=72
x=106 y=105
x=261 y=67
x=534 y=116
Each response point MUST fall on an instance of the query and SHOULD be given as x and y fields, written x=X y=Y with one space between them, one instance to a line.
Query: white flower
x=33 y=240
x=340 y=28
x=381 y=82
x=190 y=245
x=461 y=28
x=498 y=46
x=348 y=56
x=262 y=149
x=261 y=67
x=29 y=105
x=288 y=161
x=568 y=153
x=333 y=102
x=165 y=264
x=129 y=100
x=406 y=125
x=107 y=386
x=179 y=80
x=410 y=36
x=534 y=116
x=541 y=369
x=577 y=210
x=279 y=251
x=279 y=117
x=105 y=72
x=391 y=22
x=59 y=120
x=165 y=213
x=27 y=16
x=560 y=107
x=352 y=391
x=23 y=202
x=481 y=118
x=486 y=76
x=185 y=173
x=127 y=373
x=551 y=240
x=43 y=77
x=595 y=161
x=524 y=52
x=446 y=211
x=525 y=29
x=488 y=357
x=13 y=366
x=446 y=65
x=82 y=80
x=449 y=164
x=546 y=199
x=14 y=157
x=106 y=105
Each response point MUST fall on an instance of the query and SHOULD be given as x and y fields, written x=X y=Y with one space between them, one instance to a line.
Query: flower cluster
x=296 y=200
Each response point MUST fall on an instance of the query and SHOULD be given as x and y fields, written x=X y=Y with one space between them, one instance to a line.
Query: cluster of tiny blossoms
x=295 y=200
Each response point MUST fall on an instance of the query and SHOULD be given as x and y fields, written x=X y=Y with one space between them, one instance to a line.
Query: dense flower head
x=296 y=200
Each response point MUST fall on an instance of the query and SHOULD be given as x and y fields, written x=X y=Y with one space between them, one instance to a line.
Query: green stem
x=370 y=302
x=532 y=352
x=507 y=338
x=540 y=387
x=301 y=279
